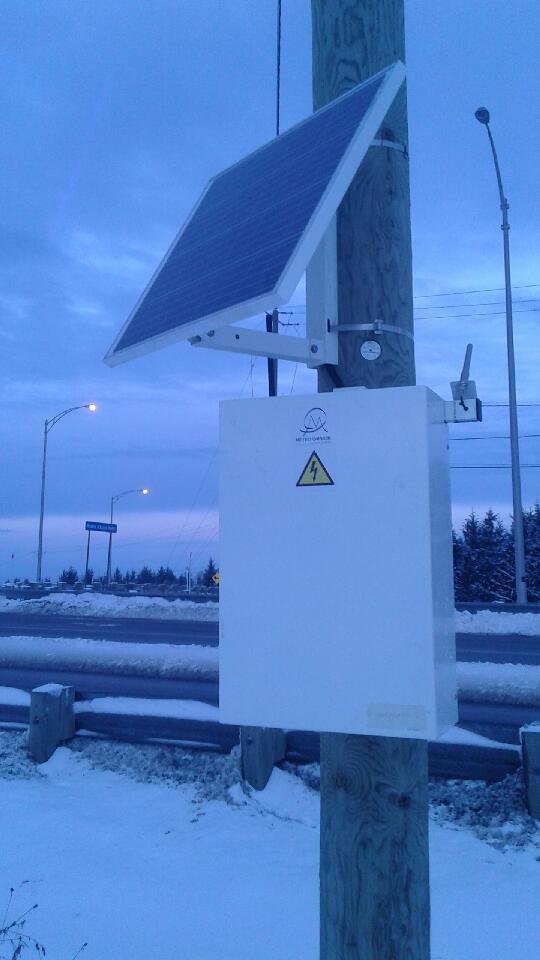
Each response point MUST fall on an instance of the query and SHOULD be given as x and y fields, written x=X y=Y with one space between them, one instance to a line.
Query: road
x=100 y=628
x=490 y=648
x=510 y=648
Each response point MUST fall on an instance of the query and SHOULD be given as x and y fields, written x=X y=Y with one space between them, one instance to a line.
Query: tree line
x=483 y=562
x=484 y=566
x=164 y=576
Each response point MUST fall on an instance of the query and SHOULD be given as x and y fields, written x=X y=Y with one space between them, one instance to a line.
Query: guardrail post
x=530 y=748
x=52 y=720
x=260 y=749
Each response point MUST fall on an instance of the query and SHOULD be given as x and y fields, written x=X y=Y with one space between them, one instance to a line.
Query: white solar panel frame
x=312 y=236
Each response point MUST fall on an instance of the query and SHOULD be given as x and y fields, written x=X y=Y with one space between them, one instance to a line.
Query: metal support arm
x=312 y=351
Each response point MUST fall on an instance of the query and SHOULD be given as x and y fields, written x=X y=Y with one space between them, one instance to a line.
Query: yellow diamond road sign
x=314 y=474
x=215 y=578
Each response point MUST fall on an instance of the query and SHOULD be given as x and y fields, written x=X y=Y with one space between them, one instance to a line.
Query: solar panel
x=257 y=224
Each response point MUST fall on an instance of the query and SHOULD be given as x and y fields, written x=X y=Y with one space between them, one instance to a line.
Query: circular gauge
x=370 y=350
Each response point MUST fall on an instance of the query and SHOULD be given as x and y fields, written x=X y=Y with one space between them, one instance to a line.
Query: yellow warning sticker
x=314 y=474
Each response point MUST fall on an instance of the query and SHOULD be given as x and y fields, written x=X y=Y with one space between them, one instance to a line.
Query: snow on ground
x=499 y=683
x=171 y=859
x=107 y=605
x=491 y=621
x=107 y=656
x=141 y=707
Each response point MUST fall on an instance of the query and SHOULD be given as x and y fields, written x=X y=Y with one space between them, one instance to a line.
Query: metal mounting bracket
x=320 y=347
x=313 y=351
x=390 y=145
x=465 y=405
x=376 y=326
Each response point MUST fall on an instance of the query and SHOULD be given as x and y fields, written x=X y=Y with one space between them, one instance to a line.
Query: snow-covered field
x=170 y=859
x=107 y=605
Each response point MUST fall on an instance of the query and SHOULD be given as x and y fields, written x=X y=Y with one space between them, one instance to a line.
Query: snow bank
x=491 y=621
x=108 y=605
x=499 y=683
x=107 y=656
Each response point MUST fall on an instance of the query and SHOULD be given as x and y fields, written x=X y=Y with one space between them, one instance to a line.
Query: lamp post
x=114 y=499
x=482 y=115
x=49 y=424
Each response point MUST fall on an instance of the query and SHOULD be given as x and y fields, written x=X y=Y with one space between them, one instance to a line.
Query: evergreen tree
x=469 y=569
x=69 y=576
x=89 y=576
x=117 y=576
x=165 y=575
x=531 y=525
x=458 y=550
x=208 y=573
x=483 y=560
x=496 y=573
x=146 y=575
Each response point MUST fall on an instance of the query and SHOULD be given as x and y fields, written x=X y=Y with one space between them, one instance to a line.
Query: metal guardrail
x=456 y=761
x=446 y=760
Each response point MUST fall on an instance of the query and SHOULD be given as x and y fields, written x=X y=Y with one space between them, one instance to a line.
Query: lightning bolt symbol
x=313 y=470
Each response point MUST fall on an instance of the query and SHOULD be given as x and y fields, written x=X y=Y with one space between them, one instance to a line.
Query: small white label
x=370 y=350
x=393 y=716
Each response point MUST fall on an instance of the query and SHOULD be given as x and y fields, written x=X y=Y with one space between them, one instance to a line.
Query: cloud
x=129 y=263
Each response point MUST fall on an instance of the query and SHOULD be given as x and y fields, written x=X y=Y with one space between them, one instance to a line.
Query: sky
x=115 y=114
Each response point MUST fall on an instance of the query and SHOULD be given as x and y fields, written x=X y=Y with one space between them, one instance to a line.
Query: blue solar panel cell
x=246 y=227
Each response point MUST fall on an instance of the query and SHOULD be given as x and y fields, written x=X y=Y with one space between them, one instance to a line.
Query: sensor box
x=336 y=584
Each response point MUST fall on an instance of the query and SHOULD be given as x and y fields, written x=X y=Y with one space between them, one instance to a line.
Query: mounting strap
x=391 y=145
x=375 y=327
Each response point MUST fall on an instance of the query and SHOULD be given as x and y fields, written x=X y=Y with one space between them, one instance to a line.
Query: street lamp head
x=145 y=490
x=482 y=115
x=92 y=407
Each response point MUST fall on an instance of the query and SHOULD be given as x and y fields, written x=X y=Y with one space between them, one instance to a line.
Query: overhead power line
x=485 y=303
x=502 y=436
x=498 y=313
x=534 y=403
x=463 y=293
x=298 y=309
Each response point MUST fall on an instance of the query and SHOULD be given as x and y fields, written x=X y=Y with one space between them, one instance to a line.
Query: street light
x=114 y=499
x=49 y=424
x=482 y=115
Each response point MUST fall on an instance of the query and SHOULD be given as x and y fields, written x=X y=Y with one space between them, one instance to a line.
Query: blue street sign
x=101 y=527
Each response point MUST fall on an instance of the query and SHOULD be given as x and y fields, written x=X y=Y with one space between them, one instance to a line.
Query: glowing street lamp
x=49 y=424
x=117 y=496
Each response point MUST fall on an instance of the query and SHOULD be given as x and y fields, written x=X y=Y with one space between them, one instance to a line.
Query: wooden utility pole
x=374 y=808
